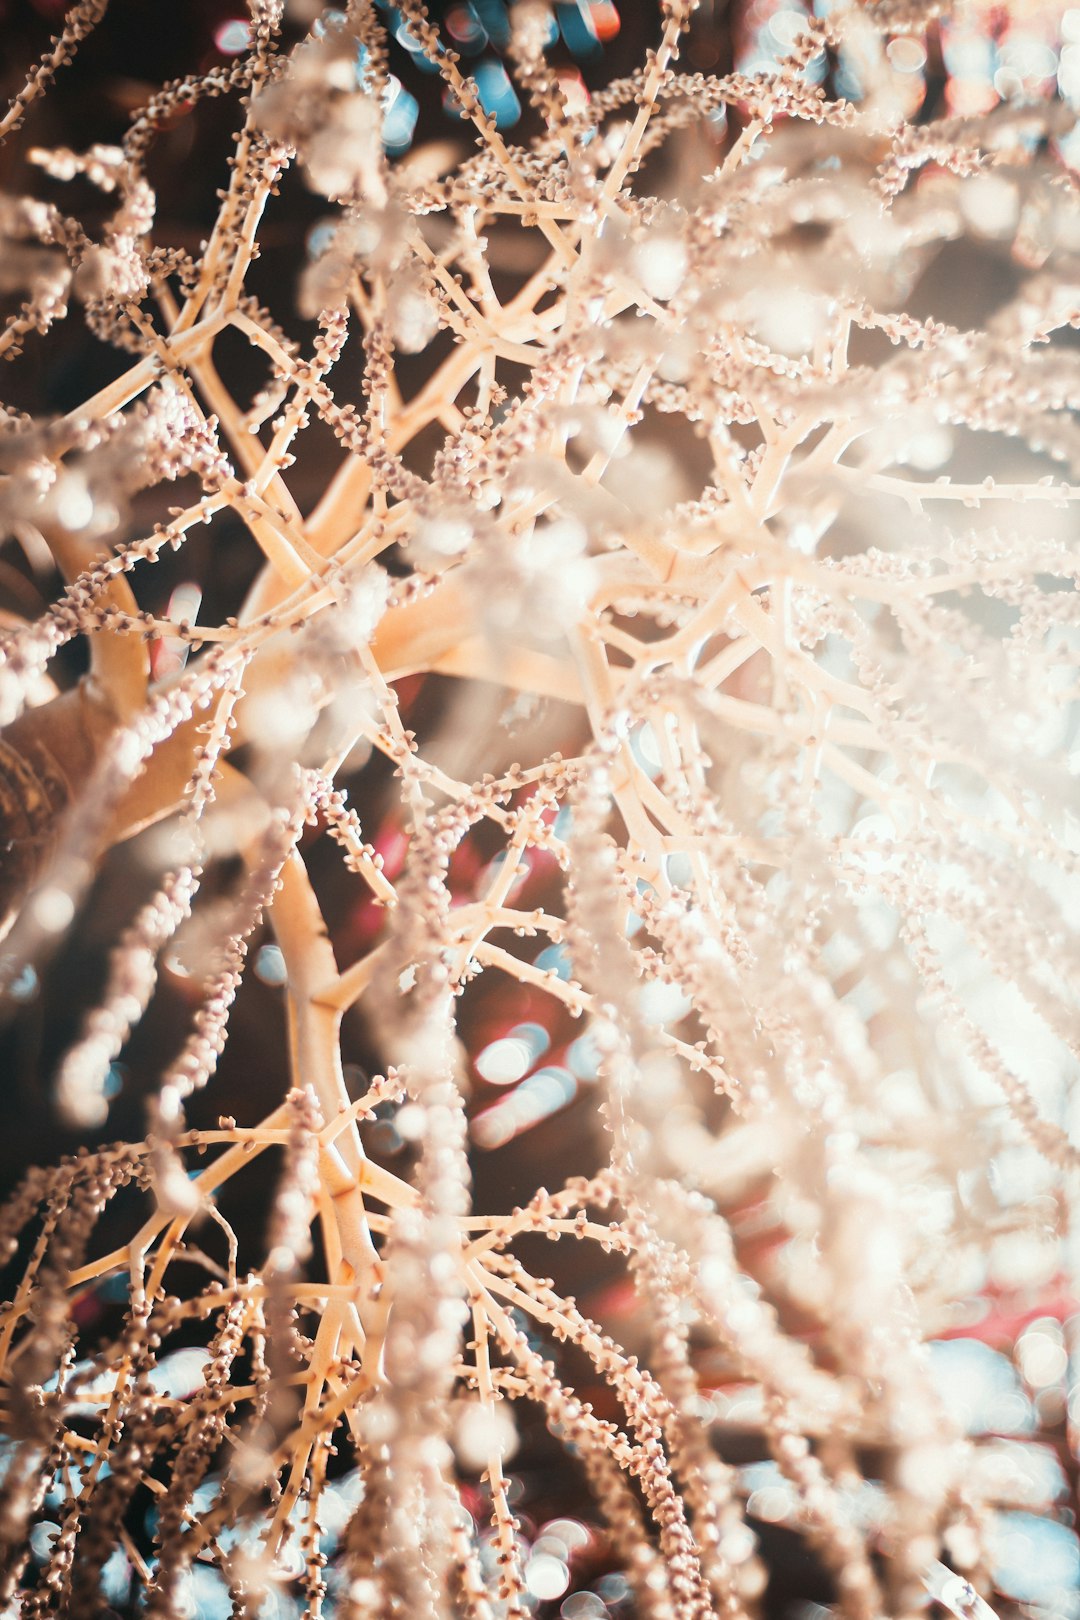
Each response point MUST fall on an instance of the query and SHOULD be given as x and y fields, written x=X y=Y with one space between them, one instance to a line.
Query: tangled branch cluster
x=788 y=574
